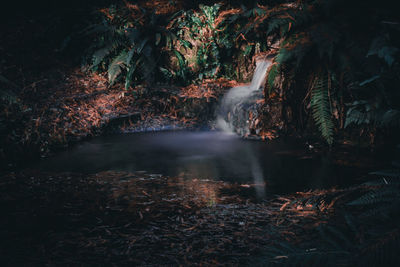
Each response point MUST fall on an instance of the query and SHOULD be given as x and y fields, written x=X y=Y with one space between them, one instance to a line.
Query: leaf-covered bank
x=148 y=219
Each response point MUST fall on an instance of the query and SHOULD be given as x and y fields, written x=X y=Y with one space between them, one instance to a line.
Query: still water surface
x=282 y=167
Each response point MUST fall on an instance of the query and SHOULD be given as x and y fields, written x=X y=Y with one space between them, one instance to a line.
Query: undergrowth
x=340 y=69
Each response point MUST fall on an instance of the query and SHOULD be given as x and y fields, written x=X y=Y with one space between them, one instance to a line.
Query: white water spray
x=238 y=94
x=230 y=102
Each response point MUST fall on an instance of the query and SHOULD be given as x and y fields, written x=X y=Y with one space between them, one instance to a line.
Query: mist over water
x=275 y=166
x=238 y=94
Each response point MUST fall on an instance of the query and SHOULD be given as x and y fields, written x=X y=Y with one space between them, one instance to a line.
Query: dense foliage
x=333 y=60
x=339 y=69
x=138 y=44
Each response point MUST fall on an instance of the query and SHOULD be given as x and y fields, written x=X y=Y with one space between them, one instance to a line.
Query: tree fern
x=321 y=109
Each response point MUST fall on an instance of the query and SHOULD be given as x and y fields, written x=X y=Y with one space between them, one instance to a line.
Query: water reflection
x=281 y=167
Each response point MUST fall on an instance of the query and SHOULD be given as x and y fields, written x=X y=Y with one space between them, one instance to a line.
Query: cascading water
x=233 y=105
x=237 y=95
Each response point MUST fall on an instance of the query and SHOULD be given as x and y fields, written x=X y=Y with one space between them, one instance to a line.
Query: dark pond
x=281 y=166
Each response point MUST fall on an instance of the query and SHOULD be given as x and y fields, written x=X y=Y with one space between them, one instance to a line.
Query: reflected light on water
x=202 y=155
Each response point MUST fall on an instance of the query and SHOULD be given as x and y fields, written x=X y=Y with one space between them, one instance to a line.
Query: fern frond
x=358 y=117
x=294 y=49
x=100 y=55
x=381 y=195
x=321 y=109
x=384 y=181
x=284 y=55
x=130 y=71
x=279 y=25
x=271 y=76
x=116 y=66
x=395 y=173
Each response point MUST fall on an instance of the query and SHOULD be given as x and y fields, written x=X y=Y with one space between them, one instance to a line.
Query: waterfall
x=237 y=95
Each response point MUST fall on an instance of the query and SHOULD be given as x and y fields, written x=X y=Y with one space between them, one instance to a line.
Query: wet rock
x=244 y=109
x=255 y=118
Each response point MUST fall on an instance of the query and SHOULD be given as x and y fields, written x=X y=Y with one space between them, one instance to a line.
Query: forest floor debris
x=81 y=105
x=120 y=218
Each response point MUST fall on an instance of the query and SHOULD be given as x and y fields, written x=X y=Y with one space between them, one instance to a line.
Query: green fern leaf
x=284 y=55
x=116 y=66
x=272 y=74
x=321 y=110
x=248 y=50
x=384 y=194
x=100 y=55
